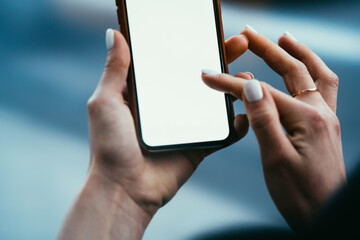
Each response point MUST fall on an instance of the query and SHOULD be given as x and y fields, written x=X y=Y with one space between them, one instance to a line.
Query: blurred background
x=52 y=54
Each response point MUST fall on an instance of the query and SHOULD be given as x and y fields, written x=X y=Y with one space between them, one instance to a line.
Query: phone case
x=124 y=29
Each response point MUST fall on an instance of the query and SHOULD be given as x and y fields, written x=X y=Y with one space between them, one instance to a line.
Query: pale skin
x=303 y=166
x=126 y=186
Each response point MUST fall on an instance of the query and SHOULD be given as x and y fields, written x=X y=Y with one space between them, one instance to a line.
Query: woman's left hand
x=126 y=186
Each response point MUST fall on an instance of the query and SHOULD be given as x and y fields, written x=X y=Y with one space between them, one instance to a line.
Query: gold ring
x=305 y=91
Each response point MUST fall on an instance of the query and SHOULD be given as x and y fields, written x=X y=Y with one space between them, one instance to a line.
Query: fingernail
x=250 y=74
x=289 y=35
x=253 y=91
x=247 y=26
x=210 y=72
x=110 y=38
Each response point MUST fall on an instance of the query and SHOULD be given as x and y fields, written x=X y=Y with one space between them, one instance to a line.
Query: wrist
x=110 y=198
x=136 y=183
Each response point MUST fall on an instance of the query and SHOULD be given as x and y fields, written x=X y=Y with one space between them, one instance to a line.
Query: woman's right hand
x=303 y=166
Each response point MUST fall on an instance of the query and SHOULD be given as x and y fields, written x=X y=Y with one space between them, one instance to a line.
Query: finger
x=235 y=86
x=117 y=62
x=264 y=119
x=295 y=74
x=291 y=110
x=326 y=81
x=233 y=99
x=241 y=125
x=235 y=47
x=247 y=76
x=224 y=83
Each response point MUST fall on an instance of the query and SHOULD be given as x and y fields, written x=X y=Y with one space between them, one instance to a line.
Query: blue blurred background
x=52 y=54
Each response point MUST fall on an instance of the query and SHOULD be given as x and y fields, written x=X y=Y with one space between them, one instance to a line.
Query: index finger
x=294 y=72
x=235 y=46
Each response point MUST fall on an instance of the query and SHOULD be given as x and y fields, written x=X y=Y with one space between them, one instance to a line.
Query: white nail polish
x=253 y=91
x=289 y=35
x=210 y=72
x=110 y=38
x=247 y=26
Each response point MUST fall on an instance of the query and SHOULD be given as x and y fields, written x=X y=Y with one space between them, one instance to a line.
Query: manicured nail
x=110 y=38
x=210 y=72
x=251 y=75
x=247 y=26
x=289 y=35
x=253 y=91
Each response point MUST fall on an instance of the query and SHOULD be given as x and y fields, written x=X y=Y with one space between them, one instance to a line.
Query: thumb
x=117 y=62
x=264 y=119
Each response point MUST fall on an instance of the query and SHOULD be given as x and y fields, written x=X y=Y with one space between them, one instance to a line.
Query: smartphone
x=171 y=41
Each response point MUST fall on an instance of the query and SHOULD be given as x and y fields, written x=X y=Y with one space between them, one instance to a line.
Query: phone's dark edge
x=131 y=82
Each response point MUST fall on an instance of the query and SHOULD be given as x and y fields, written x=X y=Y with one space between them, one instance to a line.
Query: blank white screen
x=172 y=41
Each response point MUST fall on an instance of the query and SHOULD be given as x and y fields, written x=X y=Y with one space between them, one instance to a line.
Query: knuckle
x=262 y=119
x=111 y=66
x=96 y=103
x=92 y=105
x=300 y=68
x=333 y=80
x=317 y=120
x=295 y=68
x=323 y=121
